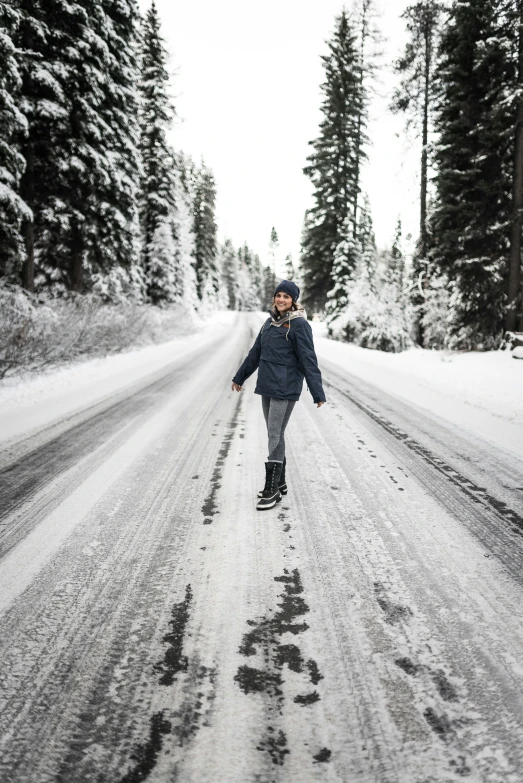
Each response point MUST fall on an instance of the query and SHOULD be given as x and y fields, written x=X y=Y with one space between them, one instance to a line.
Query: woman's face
x=283 y=302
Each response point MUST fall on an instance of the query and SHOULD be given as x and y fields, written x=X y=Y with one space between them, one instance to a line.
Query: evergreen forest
x=93 y=198
x=97 y=205
x=460 y=92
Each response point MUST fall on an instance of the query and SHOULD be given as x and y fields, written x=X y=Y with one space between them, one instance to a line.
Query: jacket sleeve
x=250 y=363
x=301 y=335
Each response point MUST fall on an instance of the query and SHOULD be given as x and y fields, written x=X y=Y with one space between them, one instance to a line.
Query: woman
x=284 y=352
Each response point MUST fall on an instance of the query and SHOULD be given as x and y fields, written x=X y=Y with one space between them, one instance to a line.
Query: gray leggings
x=277 y=413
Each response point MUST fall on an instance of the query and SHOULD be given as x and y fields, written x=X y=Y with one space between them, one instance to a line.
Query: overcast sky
x=246 y=79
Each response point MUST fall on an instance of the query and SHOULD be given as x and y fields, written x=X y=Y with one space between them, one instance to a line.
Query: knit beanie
x=288 y=287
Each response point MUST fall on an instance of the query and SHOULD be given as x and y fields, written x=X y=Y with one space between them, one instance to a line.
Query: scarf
x=286 y=318
x=278 y=320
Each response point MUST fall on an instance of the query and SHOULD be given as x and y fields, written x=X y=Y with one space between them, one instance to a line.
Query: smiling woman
x=284 y=356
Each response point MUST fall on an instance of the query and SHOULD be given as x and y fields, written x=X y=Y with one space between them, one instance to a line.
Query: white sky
x=246 y=81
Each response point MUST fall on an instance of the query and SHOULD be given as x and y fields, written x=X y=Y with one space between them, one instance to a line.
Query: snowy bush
x=374 y=320
x=36 y=333
x=377 y=314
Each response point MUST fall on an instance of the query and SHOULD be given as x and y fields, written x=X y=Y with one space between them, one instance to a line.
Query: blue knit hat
x=288 y=287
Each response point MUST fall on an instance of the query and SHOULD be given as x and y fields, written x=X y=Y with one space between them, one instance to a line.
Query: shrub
x=36 y=332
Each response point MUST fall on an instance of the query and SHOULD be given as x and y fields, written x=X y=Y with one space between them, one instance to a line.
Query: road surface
x=155 y=626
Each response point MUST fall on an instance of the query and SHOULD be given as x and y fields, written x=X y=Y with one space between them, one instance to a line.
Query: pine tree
x=290 y=272
x=79 y=98
x=269 y=283
x=116 y=241
x=469 y=225
x=229 y=264
x=367 y=305
x=158 y=175
x=416 y=97
x=346 y=260
x=44 y=102
x=335 y=162
x=249 y=279
x=205 y=233
x=274 y=251
x=13 y=125
x=397 y=258
x=185 y=259
x=515 y=276
x=366 y=14
x=367 y=239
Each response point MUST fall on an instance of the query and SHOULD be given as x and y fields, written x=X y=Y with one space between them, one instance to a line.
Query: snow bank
x=482 y=392
x=32 y=403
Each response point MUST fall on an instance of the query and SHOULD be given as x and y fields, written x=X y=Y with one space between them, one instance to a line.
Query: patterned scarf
x=278 y=320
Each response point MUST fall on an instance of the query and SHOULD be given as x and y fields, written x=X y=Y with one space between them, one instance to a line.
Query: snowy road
x=156 y=627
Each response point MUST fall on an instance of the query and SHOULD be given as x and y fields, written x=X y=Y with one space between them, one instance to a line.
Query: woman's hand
x=236 y=387
x=319 y=404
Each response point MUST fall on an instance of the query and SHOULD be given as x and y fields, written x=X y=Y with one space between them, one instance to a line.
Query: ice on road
x=156 y=627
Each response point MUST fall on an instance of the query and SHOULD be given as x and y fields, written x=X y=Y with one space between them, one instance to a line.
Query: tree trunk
x=76 y=272
x=364 y=34
x=423 y=244
x=425 y=141
x=515 y=294
x=27 y=193
x=28 y=277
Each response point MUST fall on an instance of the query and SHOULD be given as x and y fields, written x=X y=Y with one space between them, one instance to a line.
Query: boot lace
x=269 y=480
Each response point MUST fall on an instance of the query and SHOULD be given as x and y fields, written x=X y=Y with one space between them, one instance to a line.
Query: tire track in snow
x=84 y=639
x=76 y=452
x=469 y=488
x=437 y=655
x=210 y=506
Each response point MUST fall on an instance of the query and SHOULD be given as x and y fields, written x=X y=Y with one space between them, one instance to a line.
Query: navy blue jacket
x=284 y=356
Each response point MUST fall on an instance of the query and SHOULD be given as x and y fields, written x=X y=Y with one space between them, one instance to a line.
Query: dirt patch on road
x=264 y=640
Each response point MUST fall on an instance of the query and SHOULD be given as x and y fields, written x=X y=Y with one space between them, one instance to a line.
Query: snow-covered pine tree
x=369 y=40
x=376 y=315
x=415 y=96
x=13 y=125
x=396 y=265
x=184 y=261
x=290 y=272
x=471 y=217
x=367 y=239
x=269 y=283
x=43 y=100
x=221 y=295
x=346 y=260
x=257 y=278
x=274 y=251
x=117 y=238
x=157 y=192
x=514 y=311
x=394 y=294
x=79 y=97
x=249 y=279
x=334 y=164
x=205 y=233
x=230 y=271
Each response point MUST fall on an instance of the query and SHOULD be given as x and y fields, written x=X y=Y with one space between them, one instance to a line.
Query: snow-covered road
x=156 y=627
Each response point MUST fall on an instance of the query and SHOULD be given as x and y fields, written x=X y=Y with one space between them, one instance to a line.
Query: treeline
x=93 y=199
x=460 y=86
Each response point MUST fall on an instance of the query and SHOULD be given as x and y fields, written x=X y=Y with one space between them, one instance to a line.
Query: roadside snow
x=481 y=392
x=33 y=402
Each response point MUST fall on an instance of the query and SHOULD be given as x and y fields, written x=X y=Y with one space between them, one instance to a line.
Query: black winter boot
x=271 y=494
x=282 y=484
